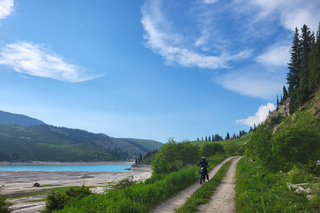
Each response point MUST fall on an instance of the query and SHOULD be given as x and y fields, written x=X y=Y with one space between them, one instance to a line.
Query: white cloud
x=209 y=1
x=292 y=13
x=36 y=60
x=259 y=117
x=162 y=39
x=252 y=82
x=276 y=55
x=6 y=8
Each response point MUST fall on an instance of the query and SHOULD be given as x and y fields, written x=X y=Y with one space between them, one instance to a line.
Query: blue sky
x=150 y=69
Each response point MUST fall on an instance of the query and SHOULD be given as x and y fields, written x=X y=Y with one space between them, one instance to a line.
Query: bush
x=232 y=148
x=124 y=183
x=297 y=175
x=173 y=156
x=57 y=200
x=297 y=141
x=4 y=205
x=210 y=149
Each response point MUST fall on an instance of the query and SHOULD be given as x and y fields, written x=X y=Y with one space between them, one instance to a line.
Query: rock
x=36 y=185
x=292 y=186
x=127 y=169
x=308 y=190
x=300 y=190
x=311 y=196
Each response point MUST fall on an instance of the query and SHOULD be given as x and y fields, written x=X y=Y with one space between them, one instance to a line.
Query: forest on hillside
x=296 y=143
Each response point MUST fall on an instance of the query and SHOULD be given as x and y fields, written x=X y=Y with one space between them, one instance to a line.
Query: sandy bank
x=21 y=182
x=68 y=163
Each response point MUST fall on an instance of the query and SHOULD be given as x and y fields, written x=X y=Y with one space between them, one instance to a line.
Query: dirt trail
x=223 y=200
x=178 y=200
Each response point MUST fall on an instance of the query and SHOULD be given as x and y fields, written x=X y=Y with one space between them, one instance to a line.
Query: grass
x=203 y=195
x=46 y=191
x=258 y=190
x=240 y=141
x=140 y=197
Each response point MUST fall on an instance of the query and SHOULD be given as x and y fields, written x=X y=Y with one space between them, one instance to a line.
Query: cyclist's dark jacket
x=204 y=164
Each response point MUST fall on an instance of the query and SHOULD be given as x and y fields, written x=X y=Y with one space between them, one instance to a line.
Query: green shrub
x=57 y=200
x=173 y=156
x=232 y=148
x=297 y=141
x=124 y=183
x=4 y=204
x=210 y=149
x=297 y=175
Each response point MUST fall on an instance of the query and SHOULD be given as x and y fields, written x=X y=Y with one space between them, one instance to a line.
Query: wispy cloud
x=37 y=60
x=259 y=117
x=172 y=46
x=253 y=82
x=291 y=14
x=276 y=55
x=6 y=8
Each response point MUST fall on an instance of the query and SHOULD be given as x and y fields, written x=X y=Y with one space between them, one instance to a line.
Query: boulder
x=36 y=185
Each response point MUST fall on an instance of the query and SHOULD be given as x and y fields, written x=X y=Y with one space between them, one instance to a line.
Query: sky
x=148 y=69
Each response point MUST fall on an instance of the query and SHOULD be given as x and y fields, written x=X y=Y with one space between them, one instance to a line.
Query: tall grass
x=258 y=190
x=140 y=197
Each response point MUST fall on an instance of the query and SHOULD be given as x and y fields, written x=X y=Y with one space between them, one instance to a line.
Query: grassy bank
x=258 y=190
x=140 y=197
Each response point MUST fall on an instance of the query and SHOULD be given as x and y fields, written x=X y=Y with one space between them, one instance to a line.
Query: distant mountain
x=50 y=143
x=148 y=144
x=21 y=120
x=27 y=139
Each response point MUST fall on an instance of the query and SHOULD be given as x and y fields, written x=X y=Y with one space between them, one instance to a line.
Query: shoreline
x=3 y=163
x=21 y=183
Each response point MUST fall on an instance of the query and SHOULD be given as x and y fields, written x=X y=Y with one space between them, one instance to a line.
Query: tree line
x=217 y=137
x=303 y=77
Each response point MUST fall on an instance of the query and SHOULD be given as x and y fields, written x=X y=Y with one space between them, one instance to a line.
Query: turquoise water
x=87 y=168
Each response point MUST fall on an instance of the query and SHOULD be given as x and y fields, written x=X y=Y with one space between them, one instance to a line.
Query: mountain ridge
x=43 y=142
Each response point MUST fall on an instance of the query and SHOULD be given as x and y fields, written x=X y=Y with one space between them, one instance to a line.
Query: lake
x=85 y=168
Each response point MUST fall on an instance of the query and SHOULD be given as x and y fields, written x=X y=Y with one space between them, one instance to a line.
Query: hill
x=21 y=120
x=148 y=144
x=50 y=143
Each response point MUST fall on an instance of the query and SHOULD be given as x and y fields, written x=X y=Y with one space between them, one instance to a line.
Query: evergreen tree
x=228 y=136
x=294 y=69
x=303 y=90
x=285 y=94
x=278 y=102
x=314 y=77
x=197 y=139
x=209 y=138
x=206 y=138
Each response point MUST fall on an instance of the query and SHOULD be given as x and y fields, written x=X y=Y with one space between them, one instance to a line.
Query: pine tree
x=206 y=138
x=285 y=93
x=294 y=69
x=314 y=77
x=303 y=90
x=278 y=102
x=228 y=136
x=209 y=138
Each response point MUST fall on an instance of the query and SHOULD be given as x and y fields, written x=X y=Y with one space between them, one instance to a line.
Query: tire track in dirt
x=223 y=200
x=178 y=200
